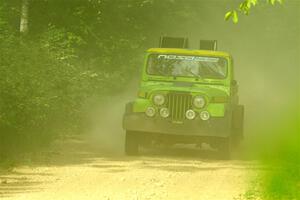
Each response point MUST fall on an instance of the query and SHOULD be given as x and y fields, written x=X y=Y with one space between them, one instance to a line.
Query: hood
x=208 y=89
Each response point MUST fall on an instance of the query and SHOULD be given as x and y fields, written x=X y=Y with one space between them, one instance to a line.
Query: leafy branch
x=245 y=7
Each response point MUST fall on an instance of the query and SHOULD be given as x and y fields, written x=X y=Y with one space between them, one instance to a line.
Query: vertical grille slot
x=178 y=104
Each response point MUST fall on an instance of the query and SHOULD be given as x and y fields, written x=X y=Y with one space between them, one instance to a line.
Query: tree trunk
x=24 y=17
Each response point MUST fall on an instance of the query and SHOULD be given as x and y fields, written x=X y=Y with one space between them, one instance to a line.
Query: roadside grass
x=280 y=183
x=281 y=156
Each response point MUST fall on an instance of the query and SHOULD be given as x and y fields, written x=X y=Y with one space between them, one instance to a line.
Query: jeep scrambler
x=185 y=96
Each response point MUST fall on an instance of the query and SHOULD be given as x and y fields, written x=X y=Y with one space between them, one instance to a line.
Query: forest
x=71 y=53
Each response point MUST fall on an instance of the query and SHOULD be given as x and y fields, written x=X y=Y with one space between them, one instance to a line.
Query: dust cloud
x=105 y=133
x=265 y=46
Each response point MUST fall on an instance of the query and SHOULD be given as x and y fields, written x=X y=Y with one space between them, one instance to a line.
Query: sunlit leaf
x=245 y=8
x=235 y=17
x=242 y=5
x=228 y=15
x=272 y=2
x=248 y=4
x=253 y=2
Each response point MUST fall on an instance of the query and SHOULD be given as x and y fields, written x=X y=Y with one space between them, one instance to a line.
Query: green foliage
x=245 y=8
x=280 y=180
x=75 y=51
x=283 y=182
x=44 y=87
x=40 y=88
x=60 y=43
x=232 y=14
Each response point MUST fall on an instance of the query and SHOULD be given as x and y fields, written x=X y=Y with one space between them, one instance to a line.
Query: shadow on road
x=12 y=183
x=79 y=152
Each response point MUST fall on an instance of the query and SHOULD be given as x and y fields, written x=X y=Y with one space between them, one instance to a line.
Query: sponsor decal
x=188 y=58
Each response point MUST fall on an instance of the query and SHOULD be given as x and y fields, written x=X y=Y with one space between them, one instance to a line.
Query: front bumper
x=214 y=127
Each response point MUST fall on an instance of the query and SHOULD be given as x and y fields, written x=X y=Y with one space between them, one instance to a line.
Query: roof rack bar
x=173 y=42
x=211 y=45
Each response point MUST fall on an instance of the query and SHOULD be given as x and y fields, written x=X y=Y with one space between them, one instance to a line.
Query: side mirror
x=234 y=83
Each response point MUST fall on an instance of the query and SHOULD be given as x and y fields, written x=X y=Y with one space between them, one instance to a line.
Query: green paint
x=216 y=109
x=140 y=105
x=210 y=89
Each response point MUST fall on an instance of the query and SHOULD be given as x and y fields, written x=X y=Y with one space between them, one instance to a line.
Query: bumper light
x=204 y=115
x=164 y=112
x=190 y=114
x=150 y=112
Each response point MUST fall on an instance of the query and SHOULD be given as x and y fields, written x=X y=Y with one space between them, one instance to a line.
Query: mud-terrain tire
x=131 y=143
x=237 y=125
x=224 y=148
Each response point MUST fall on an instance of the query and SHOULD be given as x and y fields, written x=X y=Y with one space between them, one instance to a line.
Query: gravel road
x=72 y=171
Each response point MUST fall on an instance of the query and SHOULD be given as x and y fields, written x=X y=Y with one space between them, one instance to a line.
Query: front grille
x=178 y=104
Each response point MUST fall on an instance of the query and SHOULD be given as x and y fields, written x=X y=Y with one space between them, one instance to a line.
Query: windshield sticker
x=189 y=58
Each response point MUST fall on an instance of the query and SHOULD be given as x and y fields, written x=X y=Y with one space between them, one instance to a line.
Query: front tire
x=131 y=143
x=238 y=125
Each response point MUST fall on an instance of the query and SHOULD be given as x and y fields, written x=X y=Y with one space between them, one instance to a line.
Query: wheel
x=131 y=143
x=224 y=148
x=237 y=125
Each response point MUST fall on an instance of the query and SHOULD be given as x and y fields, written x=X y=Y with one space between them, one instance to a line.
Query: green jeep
x=185 y=96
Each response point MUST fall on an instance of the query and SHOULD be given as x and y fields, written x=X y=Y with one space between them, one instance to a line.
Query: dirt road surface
x=73 y=171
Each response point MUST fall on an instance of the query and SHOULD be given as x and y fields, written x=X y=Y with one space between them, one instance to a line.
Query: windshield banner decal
x=190 y=58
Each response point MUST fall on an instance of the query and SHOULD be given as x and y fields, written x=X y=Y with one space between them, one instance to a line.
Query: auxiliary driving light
x=164 y=112
x=204 y=115
x=199 y=102
x=158 y=99
x=190 y=114
x=150 y=112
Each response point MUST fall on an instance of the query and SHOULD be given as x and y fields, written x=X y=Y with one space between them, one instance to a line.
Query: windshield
x=187 y=66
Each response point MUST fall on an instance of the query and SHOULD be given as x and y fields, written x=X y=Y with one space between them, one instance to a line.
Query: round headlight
x=199 y=102
x=158 y=99
x=204 y=115
x=190 y=114
x=164 y=112
x=150 y=112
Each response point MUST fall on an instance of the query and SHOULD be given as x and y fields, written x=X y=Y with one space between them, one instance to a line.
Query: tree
x=24 y=17
x=245 y=8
